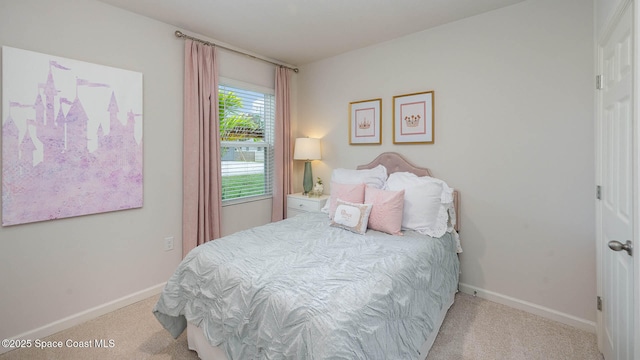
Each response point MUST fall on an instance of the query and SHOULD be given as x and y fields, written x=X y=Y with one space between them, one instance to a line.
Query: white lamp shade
x=307 y=149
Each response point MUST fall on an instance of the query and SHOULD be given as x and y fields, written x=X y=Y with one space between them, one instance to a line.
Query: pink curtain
x=283 y=146
x=201 y=204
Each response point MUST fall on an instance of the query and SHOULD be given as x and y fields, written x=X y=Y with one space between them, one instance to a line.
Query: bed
x=317 y=287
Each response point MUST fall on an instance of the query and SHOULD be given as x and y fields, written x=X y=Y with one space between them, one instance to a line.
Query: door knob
x=618 y=246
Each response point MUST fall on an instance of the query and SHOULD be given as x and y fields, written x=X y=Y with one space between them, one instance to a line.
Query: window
x=246 y=139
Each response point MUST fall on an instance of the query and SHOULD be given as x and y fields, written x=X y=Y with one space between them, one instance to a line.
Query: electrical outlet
x=168 y=243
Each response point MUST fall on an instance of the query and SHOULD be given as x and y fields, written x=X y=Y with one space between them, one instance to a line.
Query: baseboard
x=87 y=315
x=532 y=308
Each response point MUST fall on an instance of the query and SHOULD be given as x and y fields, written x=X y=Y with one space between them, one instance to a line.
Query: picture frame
x=413 y=118
x=365 y=122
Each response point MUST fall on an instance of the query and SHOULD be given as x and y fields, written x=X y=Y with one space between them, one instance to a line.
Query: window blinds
x=247 y=140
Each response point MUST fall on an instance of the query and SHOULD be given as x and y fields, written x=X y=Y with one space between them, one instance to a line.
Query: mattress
x=301 y=289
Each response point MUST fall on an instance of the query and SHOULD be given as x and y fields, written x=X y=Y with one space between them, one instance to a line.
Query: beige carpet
x=479 y=329
x=474 y=329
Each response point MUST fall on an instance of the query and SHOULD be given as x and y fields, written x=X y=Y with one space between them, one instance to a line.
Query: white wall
x=514 y=134
x=57 y=273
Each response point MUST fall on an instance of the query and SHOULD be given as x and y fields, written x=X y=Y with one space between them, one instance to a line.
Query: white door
x=615 y=136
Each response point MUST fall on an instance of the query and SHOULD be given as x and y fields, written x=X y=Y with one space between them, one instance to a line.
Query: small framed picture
x=365 y=121
x=413 y=118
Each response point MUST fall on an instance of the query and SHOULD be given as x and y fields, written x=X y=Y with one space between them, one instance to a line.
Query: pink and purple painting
x=71 y=138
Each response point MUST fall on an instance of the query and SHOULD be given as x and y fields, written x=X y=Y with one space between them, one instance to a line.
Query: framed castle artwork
x=365 y=122
x=413 y=118
x=71 y=138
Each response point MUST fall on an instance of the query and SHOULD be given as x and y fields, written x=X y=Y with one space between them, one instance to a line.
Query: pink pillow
x=353 y=193
x=386 y=214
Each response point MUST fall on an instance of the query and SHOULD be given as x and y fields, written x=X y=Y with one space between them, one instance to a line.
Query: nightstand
x=298 y=203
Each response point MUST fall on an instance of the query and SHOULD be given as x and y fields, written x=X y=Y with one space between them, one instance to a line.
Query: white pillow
x=428 y=202
x=375 y=177
x=352 y=217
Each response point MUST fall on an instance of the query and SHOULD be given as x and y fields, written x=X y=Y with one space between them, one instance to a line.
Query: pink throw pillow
x=386 y=214
x=353 y=193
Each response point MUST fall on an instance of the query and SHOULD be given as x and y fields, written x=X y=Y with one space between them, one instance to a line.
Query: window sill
x=245 y=200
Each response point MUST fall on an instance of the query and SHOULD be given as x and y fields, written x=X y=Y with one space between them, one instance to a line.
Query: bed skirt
x=198 y=342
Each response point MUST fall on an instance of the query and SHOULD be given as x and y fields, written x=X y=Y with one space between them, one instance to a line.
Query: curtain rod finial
x=180 y=34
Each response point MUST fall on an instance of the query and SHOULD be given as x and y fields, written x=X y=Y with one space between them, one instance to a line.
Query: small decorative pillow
x=347 y=192
x=352 y=217
x=386 y=213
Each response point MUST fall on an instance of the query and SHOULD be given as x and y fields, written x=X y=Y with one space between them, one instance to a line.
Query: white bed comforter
x=300 y=289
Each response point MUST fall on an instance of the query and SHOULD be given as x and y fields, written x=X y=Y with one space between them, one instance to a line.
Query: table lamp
x=307 y=149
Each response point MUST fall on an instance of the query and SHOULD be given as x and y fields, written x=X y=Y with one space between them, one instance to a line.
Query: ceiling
x=298 y=32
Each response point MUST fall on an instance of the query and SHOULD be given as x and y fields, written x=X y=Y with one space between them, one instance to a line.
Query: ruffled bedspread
x=300 y=289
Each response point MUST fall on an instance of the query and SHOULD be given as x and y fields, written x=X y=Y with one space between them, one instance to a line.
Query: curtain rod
x=180 y=34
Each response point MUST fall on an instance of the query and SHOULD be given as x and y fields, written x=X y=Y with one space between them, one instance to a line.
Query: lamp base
x=307 y=182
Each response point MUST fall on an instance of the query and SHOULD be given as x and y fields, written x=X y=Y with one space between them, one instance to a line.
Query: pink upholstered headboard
x=394 y=162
